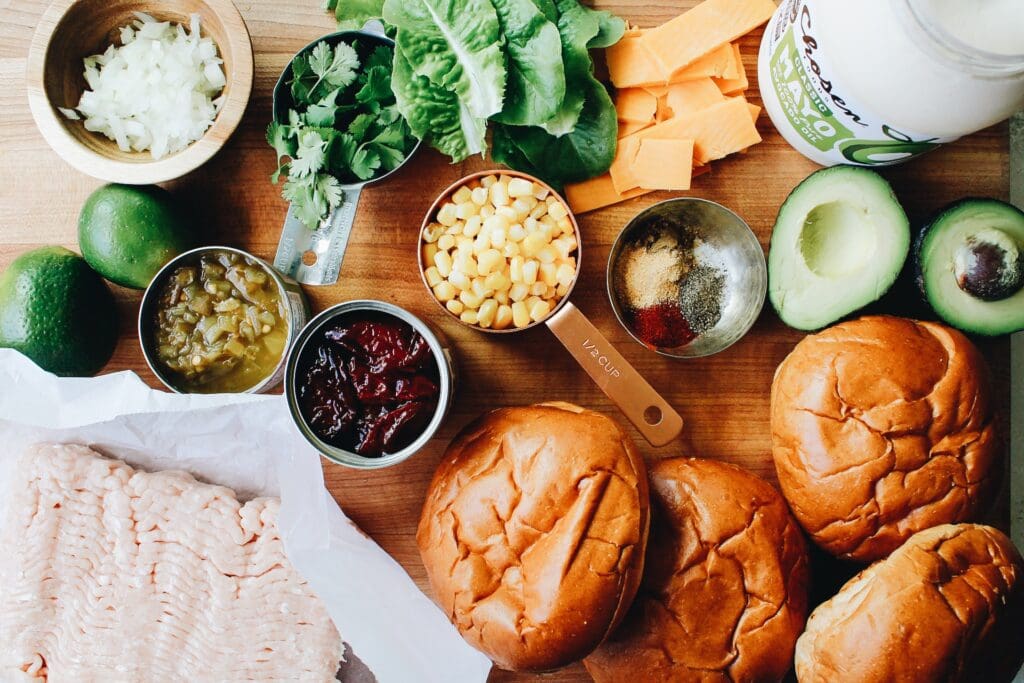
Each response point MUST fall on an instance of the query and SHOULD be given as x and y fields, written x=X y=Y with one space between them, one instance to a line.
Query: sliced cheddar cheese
x=754 y=110
x=596 y=193
x=628 y=127
x=692 y=96
x=720 y=63
x=629 y=64
x=663 y=164
x=635 y=105
x=685 y=39
x=664 y=112
x=621 y=170
x=657 y=90
x=734 y=86
x=717 y=131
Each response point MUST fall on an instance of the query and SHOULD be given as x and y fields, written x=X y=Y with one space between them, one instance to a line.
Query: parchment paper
x=249 y=444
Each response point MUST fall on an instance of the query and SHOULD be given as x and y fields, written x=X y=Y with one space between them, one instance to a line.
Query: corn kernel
x=497 y=282
x=479 y=196
x=489 y=261
x=533 y=243
x=488 y=310
x=565 y=224
x=548 y=274
x=499 y=194
x=556 y=209
x=480 y=288
x=463 y=246
x=428 y=253
x=501 y=297
x=468 y=317
x=460 y=280
x=520 y=187
x=455 y=306
x=538 y=288
x=488 y=181
x=515 y=269
x=495 y=222
x=444 y=292
x=464 y=211
x=565 y=274
x=518 y=292
x=547 y=255
x=530 y=270
x=540 y=310
x=539 y=191
x=503 y=318
x=472 y=226
x=432 y=232
x=561 y=290
x=530 y=225
x=446 y=242
x=446 y=214
x=508 y=213
x=486 y=211
x=561 y=245
x=539 y=211
x=498 y=237
x=522 y=208
x=432 y=276
x=454 y=230
x=520 y=314
x=462 y=195
x=470 y=299
x=465 y=263
x=510 y=249
x=444 y=263
x=532 y=300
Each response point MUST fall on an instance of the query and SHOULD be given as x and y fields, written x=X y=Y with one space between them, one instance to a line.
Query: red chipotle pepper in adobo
x=370 y=386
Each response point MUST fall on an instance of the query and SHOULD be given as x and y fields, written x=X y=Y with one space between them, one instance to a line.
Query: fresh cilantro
x=343 y=127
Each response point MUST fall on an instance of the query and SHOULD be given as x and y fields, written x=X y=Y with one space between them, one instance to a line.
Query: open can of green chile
x=293 y=304
x=306 y=345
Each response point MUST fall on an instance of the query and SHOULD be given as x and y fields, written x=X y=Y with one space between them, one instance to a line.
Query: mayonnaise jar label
x=799 y=89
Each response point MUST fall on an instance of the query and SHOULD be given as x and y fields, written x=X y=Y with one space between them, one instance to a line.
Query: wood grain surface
x=723 y=398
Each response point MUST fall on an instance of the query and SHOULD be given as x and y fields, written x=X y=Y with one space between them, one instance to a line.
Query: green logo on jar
x=899 y=147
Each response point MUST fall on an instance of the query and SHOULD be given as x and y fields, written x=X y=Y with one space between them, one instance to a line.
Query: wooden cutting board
x=724 y=398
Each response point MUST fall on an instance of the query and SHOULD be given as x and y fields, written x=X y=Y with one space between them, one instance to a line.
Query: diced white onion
x=159 y=91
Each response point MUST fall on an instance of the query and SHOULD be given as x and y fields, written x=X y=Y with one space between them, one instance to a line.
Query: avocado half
x=969 y=262
x=839 y=243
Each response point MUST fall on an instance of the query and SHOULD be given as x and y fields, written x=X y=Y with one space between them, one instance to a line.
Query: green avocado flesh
x=57 y=311
x=994 y=305
x=839 y=243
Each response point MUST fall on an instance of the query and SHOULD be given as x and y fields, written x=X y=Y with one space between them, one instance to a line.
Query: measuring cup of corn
x=314 y=257
x=500 y=253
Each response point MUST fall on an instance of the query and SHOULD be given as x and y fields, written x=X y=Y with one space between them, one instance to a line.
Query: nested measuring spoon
x=653 y=417
x=313 y=257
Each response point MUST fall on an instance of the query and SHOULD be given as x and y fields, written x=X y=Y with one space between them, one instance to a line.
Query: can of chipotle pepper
x=368 y=383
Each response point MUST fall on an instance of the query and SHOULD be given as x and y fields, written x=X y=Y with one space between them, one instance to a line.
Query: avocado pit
x=989 y=266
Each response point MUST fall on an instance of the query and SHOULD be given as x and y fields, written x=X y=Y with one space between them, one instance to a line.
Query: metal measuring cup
x=313 y=257
x=651 y=414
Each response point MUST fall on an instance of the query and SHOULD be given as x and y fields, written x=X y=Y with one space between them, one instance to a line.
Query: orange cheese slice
x=657 y=90
x=629 y=64
x=716 y=131
x=720 y=62
x=664 y=112
x=621 y=170
x=692 y=96
x=683 y=40
x=596 y=193
x=663 y=164
x=628 y=127
x=734 y=86
x=635 y=105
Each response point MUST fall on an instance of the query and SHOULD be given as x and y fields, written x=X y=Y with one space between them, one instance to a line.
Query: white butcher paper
x=249 y=444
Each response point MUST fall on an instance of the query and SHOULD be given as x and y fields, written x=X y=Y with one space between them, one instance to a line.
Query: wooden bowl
x=71 y=30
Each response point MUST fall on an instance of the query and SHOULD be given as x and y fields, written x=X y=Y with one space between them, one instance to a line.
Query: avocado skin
x=932 y=227
x=58 y=311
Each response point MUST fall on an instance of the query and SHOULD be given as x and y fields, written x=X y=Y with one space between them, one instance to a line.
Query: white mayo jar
x=877 y=82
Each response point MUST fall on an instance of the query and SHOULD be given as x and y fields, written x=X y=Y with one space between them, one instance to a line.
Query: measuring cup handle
x=313 y=257
x=645 y=408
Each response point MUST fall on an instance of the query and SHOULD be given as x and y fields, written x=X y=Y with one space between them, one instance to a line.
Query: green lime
x=128 y=232
x=58 y=311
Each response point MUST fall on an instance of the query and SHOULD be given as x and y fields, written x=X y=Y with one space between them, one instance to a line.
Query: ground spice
x=648 y=271
x=700 y=297
x=662 y=326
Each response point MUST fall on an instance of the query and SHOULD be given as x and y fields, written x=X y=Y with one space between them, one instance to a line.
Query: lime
x=58 y=311
x=128 y=232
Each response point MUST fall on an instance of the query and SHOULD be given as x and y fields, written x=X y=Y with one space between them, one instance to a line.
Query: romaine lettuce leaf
x=353 y=14
x=577 y=25
x=435 y=113
x=457 y=45
x=536 y=78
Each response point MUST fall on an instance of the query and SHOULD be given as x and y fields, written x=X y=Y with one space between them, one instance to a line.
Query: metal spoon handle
x=313 y=257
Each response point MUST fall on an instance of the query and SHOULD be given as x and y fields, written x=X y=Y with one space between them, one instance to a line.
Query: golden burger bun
x=724 y=594
x=945 y=606
x=882 y=427
x=533 y=533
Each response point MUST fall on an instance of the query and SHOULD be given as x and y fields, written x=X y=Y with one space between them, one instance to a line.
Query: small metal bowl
x=745 y=269
x=446 y=373
x=292 y=296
